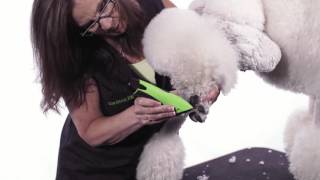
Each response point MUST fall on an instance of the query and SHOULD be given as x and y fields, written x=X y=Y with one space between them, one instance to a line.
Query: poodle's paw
x=249 y=13
x=257 y=51
x=305 y=153
x=162 y=158
x=268 y=54
x=297 y=120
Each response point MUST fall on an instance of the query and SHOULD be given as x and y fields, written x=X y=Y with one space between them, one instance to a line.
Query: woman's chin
x=117 y=32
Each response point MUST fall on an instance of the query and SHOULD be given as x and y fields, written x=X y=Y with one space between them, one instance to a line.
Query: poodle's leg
x=296 y=121
x=163 y=156
x=304 y=154
x=258 y=52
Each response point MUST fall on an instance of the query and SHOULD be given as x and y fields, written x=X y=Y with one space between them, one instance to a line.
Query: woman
x=83 y=50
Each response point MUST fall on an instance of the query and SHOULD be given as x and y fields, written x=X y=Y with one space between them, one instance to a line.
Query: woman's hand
x=212 y=96
x=201 y=111
x=149 y=111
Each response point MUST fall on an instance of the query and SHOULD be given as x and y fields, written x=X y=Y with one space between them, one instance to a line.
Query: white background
x=253 y=114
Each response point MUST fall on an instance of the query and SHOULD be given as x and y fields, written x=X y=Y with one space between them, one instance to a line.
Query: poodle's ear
x=257 y=51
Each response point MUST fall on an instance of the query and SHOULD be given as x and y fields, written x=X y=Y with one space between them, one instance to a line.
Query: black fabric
x=246 y=164
x=79 y=161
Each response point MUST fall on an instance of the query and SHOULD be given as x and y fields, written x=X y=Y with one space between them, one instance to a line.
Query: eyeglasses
x=105 y=11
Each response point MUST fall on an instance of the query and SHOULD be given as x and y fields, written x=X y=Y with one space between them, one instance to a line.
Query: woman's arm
x=168 y=4
x=94 y=128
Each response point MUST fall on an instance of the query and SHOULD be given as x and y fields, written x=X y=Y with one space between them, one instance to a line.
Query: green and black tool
x=147 y=89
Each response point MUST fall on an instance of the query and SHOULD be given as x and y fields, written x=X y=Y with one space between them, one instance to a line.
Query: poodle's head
x=179 y=44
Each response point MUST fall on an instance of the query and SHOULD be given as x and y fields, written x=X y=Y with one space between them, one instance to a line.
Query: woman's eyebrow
x=99 y=6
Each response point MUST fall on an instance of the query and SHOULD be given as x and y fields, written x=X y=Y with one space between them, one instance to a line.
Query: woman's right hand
x=148 y=111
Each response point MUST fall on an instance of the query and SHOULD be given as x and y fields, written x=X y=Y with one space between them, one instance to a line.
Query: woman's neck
x=117 y=47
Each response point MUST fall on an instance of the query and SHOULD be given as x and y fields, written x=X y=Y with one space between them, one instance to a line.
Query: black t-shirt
x=80 y=161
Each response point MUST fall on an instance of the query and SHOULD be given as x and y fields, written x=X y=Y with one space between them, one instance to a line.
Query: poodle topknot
x=181 y=45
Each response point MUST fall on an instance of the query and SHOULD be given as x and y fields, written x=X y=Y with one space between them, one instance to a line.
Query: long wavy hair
x=64 y=58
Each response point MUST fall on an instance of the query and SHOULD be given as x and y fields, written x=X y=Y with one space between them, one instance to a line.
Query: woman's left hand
x=212 y=96
x=200 y=114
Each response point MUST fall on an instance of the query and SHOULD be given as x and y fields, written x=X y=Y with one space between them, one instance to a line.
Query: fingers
x=159 y=120
x=146 y=102
x=155 y=109
x=155 y=118
x=212 y=95
x=149 y=111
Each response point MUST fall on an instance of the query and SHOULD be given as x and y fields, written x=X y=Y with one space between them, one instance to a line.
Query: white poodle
x=204 y=46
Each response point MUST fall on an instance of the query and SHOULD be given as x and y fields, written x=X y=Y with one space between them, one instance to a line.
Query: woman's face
x=87 y=12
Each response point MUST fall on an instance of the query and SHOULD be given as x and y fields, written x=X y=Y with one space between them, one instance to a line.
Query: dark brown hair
x=64 y=58
x=130 y=41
